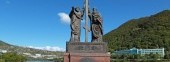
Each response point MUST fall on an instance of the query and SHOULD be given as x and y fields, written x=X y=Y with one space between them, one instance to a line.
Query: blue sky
x=38 y=23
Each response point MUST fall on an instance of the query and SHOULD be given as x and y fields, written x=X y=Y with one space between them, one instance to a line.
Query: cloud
x=64 y=17
x=49 y=48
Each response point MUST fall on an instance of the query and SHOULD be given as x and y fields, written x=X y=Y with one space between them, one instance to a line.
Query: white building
x=38 y=55
x=3 y=51
x=159 y=51
x=28 y=54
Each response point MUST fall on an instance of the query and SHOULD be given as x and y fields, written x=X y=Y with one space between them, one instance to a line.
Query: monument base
x=86 y=57
x=86 y=52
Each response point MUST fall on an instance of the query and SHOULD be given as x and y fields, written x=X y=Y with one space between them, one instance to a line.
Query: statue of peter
x=75 y=15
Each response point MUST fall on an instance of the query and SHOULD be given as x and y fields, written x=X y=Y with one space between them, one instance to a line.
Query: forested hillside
x=146 y=32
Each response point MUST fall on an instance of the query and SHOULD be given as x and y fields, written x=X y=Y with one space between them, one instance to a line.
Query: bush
x=2 y=60
x=13 y=57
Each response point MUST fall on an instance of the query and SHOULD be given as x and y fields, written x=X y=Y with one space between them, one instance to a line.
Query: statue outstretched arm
x=71 y=12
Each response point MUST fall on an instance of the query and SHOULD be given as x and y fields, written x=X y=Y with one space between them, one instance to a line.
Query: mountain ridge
x=146 y=32
x=19 y=49
x=3 y=43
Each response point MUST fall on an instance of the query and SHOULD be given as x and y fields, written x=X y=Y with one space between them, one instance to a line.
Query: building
x=159 y=51
x=27 y=54
x=3 y=51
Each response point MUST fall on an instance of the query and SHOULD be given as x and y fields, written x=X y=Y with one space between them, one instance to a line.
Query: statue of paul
x=96 y=26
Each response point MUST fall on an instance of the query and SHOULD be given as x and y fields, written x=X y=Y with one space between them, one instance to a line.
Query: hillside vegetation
x=146 y=32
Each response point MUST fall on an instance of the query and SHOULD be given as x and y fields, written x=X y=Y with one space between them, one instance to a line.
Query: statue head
x=94 y=10
x=77 y=9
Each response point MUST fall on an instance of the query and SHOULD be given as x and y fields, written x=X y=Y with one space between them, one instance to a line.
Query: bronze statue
x=75 y=15
x=96 y=26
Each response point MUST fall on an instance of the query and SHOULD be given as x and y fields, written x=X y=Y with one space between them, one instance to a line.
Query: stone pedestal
x=86 y=52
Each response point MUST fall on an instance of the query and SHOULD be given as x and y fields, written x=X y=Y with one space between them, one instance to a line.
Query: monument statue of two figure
x=76 y=15
x=94 y=51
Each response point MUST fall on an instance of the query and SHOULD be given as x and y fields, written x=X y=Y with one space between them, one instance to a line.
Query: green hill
x=146 y=32
x=3 y=43
x=19 y=49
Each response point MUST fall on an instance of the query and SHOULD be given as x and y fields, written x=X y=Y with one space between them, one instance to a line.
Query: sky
x=44 y=24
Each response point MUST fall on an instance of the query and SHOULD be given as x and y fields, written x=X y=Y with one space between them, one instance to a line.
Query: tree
x=13 y=57
x=137 y=56
x=167 y=56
